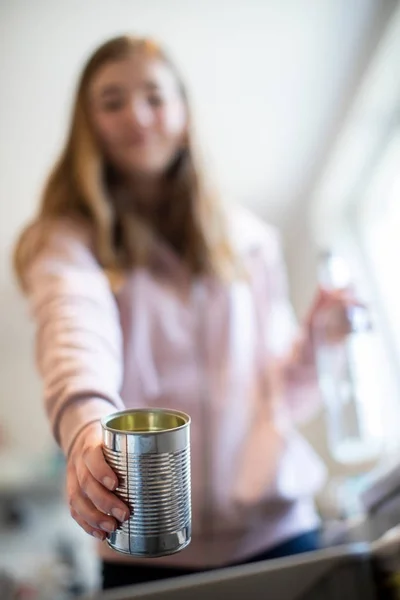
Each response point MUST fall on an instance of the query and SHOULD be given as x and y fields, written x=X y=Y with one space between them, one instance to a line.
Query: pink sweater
x=220 y=353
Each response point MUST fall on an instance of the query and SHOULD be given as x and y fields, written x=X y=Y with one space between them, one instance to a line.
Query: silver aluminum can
x=149 y=450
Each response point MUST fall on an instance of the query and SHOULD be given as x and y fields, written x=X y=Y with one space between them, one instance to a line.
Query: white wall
x=267 y=78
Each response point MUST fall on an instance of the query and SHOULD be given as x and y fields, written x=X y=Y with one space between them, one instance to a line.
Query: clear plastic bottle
x=346 y=362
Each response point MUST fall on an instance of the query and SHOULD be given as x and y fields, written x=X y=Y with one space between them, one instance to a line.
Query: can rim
x=171 y=411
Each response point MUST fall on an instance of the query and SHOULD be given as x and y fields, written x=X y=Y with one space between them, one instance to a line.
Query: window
x=378 y=224
x=375 y=223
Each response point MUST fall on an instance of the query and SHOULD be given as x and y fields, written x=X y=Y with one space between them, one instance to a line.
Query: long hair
x=189 y=217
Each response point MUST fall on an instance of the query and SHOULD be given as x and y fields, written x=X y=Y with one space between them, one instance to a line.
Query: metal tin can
x=149 y=449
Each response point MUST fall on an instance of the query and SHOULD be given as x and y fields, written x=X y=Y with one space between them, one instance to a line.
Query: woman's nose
x=140 y=114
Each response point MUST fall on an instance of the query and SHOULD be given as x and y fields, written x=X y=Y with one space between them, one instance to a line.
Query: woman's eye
x=113 y=105
x=155 y=100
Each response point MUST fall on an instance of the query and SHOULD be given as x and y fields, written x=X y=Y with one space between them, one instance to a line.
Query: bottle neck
x=333 y=272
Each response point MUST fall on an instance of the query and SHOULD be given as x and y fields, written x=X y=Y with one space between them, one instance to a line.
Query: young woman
x=147 y=292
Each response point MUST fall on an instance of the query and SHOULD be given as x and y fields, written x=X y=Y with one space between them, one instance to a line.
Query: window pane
x=380 y=229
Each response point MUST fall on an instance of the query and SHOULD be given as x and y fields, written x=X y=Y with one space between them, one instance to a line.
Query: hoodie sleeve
x=78 y=333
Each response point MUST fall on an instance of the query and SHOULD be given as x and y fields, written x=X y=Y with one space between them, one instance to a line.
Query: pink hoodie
x=222 y=353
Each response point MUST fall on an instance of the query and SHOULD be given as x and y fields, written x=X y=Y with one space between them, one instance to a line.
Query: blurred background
x=297 y=104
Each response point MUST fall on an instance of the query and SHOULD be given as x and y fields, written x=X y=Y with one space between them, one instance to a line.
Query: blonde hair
x=77 y=188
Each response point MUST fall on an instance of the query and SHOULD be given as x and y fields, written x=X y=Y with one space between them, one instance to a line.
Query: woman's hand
x=336 y=302
x=90 y=482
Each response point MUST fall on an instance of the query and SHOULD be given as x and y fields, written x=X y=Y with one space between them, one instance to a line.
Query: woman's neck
x=144 y=191
x=139 y=194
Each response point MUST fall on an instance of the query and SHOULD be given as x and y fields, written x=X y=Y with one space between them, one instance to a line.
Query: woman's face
x=138 y=115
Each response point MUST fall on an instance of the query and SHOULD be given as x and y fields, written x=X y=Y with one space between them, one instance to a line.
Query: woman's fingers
x=341 y=297
x=81 y=505
x=98 y=467
x=335 y=299
x=100 y=535
x=90 y=514
x=103 y=500
x=92 y=506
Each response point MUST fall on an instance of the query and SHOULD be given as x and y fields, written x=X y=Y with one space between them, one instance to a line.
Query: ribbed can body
x=149 y=450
